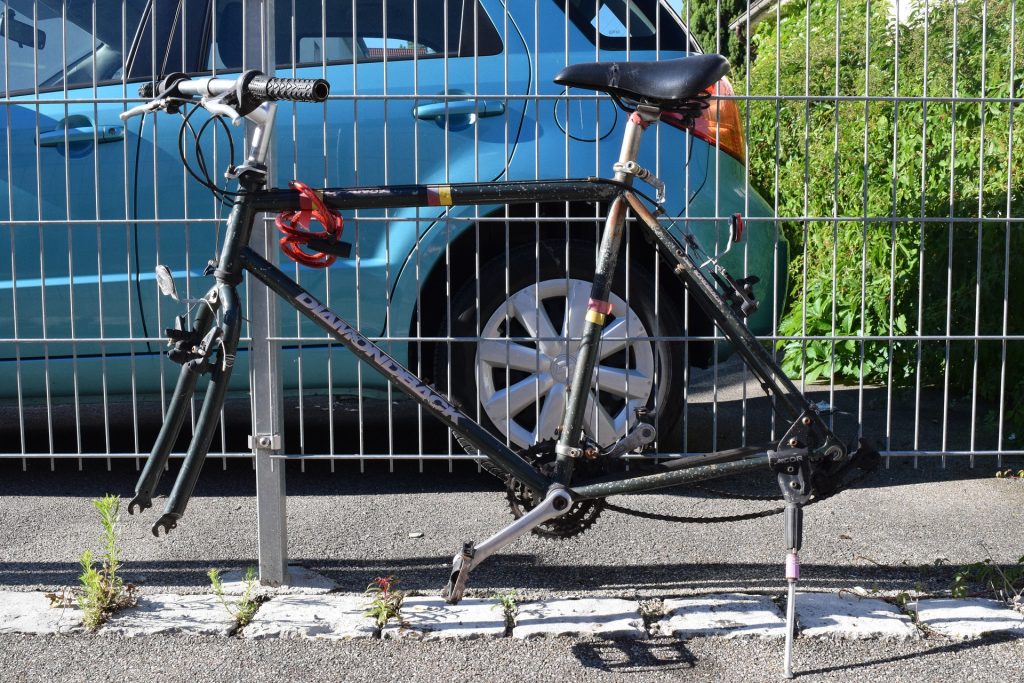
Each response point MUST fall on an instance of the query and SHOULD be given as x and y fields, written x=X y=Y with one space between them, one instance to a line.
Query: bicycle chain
x=737 y=496
x=583 y=515
x=690 y=520
x=661 y=517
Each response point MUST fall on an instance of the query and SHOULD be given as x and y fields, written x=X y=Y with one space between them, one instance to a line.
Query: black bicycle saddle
x=666 y=84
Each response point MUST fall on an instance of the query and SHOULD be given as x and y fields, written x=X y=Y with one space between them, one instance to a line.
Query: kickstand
x=794 y=533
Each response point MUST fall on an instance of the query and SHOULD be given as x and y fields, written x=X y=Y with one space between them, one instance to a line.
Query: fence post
x=267 y=422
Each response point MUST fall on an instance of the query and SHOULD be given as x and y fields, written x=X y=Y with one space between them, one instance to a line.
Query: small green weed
x=509 y=603
x=1009 y=474
x=935 y=567
x=243 y=608
x=386 y=600
x=908 y=603
x=102 y=591
x=1006 y=583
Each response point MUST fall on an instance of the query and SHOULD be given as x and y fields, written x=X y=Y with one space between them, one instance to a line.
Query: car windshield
x=48 y=43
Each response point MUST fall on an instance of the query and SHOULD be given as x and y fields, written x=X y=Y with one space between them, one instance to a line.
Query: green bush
x=709 y=23
x=886 y=159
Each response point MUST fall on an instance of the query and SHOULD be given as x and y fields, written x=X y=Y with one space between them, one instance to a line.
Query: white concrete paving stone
x=434 y=619
x=730 y=615
x=159 y=614
x=30 y=613
x=841 y=615
x=603 y=618
x=336 y=617
x=301 y=581
x=971 y=618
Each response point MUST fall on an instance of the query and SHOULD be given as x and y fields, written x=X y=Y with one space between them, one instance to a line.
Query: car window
x=39 y=42
x=332 y=33
x=627 y=24
x=52 y=45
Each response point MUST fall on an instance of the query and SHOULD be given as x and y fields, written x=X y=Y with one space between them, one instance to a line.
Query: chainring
x=580 y=517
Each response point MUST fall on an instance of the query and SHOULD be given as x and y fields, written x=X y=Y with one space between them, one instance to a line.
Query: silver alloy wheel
x=527 y=353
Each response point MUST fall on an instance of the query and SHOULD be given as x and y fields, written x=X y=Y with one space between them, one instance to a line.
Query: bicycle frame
x=808 y=460
x=237 y=256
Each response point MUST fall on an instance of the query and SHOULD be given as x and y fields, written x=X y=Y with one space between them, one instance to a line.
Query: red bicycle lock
x=300 y=243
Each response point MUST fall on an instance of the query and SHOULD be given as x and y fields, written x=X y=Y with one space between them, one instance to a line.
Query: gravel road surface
x=906 y=529
x=890 y=533
x=191 y=659
x=352 y=527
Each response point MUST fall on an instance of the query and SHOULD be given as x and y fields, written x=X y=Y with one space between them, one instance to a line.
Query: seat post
x=598 y=308
x=636 y=124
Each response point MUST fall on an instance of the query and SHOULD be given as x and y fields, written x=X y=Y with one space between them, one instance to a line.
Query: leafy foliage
x=386 y=602
x=244 y=607
x=709 y=23
x=831 y=155
x=103 y=591
x=509 y=604
x=1005 y=583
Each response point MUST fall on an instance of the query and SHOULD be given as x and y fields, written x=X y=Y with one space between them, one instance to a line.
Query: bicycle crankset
x=580 y=517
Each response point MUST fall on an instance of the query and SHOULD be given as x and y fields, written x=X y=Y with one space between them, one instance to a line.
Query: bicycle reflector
x=316 y=249
x=720 y=124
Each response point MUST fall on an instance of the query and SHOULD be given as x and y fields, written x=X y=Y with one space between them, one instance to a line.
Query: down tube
x=406 y=381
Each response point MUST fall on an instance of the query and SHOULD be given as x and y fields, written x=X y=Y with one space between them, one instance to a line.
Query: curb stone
x=601 y=618
x=160 y=614
x=850 y=617
x=31 y=613
x=730 y=615
x=336 y=617
x=434 y=619
x=340 y=616
x=969 y=618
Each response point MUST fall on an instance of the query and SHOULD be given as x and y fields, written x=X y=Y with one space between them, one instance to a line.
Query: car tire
x=509 y=363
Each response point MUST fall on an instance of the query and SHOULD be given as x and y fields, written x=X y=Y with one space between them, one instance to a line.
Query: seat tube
x=571 y=435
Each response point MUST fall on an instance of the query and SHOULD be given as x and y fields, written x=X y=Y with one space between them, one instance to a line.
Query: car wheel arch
x=498 y=232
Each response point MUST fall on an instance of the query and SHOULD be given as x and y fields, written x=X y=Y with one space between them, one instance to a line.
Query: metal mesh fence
x=871 y=149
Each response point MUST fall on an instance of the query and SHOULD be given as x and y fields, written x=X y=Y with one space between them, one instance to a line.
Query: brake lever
x=217 y=107
x=152 y=105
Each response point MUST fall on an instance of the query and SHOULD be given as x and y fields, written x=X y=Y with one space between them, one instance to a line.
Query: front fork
x=209 y=346
x=222 y=299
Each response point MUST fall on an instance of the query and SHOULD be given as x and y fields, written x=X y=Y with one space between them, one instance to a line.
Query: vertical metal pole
x=265 y=381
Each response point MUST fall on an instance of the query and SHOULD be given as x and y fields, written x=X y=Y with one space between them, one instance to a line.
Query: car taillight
x=720 y=123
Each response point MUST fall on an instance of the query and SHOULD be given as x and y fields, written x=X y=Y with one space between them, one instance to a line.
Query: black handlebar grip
x=146 y=91
x=294 y=89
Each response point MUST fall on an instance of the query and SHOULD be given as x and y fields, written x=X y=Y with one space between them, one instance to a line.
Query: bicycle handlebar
x=255 y=85
x=291 y=89
x=231 y=97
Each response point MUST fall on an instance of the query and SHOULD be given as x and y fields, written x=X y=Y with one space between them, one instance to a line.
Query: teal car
x=423 y=91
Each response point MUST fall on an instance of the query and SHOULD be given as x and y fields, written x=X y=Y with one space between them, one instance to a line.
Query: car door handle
x=433 y=111
x=58 y=136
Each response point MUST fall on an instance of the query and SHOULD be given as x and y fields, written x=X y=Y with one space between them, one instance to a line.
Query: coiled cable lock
x=316 y=249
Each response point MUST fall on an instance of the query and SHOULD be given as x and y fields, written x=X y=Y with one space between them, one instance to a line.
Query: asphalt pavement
x=907 y=528
x=183 y=659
